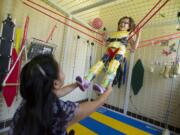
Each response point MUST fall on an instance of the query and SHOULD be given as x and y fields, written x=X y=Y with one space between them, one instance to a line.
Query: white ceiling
x=111 y=10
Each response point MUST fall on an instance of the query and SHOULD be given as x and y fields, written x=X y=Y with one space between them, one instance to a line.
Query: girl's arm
x=134 y=42
x=86 y=108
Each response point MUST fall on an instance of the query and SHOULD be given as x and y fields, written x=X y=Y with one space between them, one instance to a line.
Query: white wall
x=39 y=27
x=69 y=53
x=74 y=63
x=152 y=100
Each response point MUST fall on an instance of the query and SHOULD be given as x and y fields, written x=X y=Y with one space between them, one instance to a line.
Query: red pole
x=25 y=31
x=147 y=15
x=137 y=29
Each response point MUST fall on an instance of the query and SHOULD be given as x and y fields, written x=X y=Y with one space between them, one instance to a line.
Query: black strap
x=123 y=40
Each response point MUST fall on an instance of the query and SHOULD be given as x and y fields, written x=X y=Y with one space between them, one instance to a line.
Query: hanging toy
x=172 y=72
x=96 y=23
x=166 y=52
x=152 y=67
x=177 y=66
x=167 y=71
x=6 y=46
x=177 y=69
x=170 y=50
x=162 y=70
x=137 y=77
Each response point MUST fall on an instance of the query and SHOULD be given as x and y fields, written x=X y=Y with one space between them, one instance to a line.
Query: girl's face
x=124 y=24
x=60 y=81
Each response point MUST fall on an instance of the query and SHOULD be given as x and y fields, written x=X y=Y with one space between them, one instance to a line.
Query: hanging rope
x=65 y=17
x=51 y=33
x=138 y=27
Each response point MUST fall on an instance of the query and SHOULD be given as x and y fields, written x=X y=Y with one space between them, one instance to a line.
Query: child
x=117 y=43
x=41 y=111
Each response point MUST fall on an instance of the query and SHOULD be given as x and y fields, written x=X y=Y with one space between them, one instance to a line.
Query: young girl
x=117 y=43
x=41 y=111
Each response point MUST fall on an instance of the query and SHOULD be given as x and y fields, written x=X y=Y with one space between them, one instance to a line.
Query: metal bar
x=127 y=93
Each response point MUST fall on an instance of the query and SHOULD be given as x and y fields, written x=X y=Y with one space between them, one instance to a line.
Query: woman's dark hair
x=36 y=84
x=132 y=23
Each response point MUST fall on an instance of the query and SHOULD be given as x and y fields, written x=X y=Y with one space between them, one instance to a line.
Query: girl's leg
x=111 y=72
x=96 y=69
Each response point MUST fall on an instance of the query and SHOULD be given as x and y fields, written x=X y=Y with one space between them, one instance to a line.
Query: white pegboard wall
x=152 y=100
x=76 y=61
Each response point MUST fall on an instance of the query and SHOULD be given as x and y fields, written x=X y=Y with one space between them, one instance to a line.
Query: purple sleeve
x=69 y=109
x=64 y=112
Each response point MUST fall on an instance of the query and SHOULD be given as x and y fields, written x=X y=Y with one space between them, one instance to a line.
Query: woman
x=41 y=111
